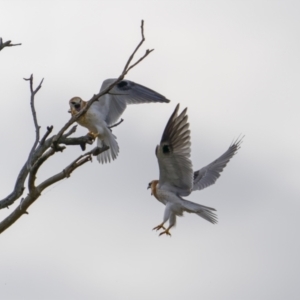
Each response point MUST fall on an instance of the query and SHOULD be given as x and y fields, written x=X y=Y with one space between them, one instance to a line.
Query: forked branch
x=35 y=193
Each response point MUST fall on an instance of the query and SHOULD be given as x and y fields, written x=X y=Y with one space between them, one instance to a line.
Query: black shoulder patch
x=123 y=85
x=166 y=149
x=196 y=174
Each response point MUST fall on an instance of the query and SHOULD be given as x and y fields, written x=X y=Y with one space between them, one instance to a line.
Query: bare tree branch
x=49 y=130
x=33 y=111
x=71 y=131
x=35 y=193
x=45 y=147
x=36 y=166
x=81 y=141
x=136 y=49
x=7 y=44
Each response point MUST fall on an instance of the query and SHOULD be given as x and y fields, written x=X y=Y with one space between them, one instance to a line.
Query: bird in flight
x=106 y=111
x=176 y=176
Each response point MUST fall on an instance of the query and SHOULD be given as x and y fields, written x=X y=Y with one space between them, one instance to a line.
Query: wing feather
x=173 y=154
x=208 y=175
x=113 y=104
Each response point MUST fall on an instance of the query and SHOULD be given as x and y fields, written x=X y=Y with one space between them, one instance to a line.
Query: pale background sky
x=235 y=65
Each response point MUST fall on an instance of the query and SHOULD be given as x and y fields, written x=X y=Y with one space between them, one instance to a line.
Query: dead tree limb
x=6 y=44
x=47 y=146
x=35 y=192
x=33 y=111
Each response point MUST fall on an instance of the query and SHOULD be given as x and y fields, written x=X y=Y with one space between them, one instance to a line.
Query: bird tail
x=112 y=152
x=202 y=211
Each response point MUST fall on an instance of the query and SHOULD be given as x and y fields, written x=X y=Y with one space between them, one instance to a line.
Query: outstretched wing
x=173 y=154
x=113 y=104
x=209 y=174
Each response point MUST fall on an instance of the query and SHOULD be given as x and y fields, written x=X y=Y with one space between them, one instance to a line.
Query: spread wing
x=113 y=104
x=173 y=154
x=209 y=174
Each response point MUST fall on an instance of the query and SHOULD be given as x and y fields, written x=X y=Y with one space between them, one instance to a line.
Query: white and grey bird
x=106 y=111
x=176 y=176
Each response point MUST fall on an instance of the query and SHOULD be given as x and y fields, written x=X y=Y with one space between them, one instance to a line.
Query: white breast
x=94 y=121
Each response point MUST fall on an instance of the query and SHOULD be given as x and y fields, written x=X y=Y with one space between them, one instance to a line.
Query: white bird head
x=76 y=104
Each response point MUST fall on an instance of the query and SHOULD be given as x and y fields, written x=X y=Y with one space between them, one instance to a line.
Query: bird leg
x=160 y=226
x=92 y=135
x=167 y=232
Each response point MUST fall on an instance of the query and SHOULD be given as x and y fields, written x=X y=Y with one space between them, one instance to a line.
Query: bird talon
x=92 y=135
x=165 y=232
x=159 y=227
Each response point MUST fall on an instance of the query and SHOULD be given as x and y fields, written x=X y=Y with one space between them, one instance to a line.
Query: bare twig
x=49 y=130
x=138 y=61
x=71 y=131
x=7 y=44
x=33 y=111
x=136 y=49
x=115 y=125
x=81 y=141
x=96 y=151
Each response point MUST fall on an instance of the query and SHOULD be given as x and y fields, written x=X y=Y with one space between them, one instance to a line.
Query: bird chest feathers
x=153 y=189
x=91 y=121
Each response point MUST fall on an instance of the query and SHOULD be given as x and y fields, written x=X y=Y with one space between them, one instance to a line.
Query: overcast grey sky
x=235 y=65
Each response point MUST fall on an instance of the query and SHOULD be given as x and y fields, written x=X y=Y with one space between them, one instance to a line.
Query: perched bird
x=106 y=111
x=176 y=176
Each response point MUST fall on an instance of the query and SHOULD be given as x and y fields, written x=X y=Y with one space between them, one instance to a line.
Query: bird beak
x=69 y=111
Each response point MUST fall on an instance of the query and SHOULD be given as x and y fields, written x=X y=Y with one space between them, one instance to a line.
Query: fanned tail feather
x=112 y=152
x=202 y=211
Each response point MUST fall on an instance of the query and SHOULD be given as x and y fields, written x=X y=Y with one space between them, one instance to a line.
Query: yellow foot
x=92 y=135
x=160 y=226
x=165 y=232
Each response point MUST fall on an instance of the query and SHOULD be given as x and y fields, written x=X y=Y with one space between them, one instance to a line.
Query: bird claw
x=160 y=226
x=92 y=135
x=165 y=232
